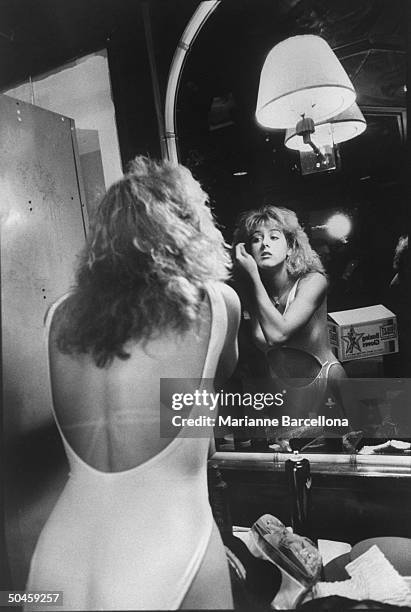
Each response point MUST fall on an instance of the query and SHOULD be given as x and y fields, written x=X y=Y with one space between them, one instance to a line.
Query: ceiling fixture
x=345 y=126
x=302 y=84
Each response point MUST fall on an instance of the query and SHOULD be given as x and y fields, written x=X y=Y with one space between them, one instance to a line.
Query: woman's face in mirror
x=268 y=245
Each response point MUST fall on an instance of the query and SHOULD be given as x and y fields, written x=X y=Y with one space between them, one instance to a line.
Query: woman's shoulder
x=314 y=280
x=312 y=287
x=231 y=300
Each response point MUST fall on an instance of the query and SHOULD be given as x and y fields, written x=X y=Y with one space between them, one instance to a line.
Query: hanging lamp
x=345 y=126
x=302 y=79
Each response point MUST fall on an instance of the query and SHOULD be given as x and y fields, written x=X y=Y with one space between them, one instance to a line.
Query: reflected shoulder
x=314 y=280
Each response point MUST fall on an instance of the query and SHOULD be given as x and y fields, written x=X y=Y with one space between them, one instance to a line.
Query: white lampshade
x=302 y=76
x=346 y=125
x=349 y=124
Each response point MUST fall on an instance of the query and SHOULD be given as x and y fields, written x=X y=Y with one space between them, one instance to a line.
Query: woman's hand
x=245 y=261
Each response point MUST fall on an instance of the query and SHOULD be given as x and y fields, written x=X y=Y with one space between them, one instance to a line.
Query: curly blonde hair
x=153 y=246
x=303 y=258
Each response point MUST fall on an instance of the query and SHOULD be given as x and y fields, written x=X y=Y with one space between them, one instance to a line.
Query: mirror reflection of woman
x=133 y=528
x=284 y=289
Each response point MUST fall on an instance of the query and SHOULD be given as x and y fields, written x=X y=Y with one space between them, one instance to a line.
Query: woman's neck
x=276 y=282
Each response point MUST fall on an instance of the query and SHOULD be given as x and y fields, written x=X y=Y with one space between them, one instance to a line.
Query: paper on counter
x=372 y=577
x=391 y=445
x=330 y=549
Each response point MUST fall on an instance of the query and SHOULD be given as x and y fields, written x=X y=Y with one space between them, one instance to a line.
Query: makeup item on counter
x=294 y=554
x=219 y=501
x=351 y=441
x=298 y=474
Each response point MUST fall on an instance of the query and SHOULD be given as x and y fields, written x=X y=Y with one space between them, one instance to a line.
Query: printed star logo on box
x=353 y=340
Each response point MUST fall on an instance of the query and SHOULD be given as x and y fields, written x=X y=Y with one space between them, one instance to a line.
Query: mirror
x=244 y=166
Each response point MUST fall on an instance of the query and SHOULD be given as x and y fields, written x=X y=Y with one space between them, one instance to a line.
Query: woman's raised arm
x=277 y=328
x=267 y=321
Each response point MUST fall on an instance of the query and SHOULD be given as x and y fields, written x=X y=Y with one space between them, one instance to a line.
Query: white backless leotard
x=131 y=540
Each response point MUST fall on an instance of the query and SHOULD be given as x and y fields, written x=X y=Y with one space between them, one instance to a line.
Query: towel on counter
x=372 y=577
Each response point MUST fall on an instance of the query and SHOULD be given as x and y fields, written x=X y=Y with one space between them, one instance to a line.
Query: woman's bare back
x=110 y=415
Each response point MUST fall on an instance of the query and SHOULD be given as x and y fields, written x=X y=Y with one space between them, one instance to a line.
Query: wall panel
x=43 y=222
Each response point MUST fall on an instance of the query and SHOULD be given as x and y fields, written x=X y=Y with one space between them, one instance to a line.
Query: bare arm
x=277 y=328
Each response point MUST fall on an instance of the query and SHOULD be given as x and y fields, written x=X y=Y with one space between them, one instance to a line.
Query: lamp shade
x=346 y=125
x=302 y=76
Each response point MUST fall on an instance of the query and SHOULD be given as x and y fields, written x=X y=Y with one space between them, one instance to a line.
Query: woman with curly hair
x=284 y=290
x=133 y=529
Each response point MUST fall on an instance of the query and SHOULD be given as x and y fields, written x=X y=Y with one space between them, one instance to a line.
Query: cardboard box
x=363 y=332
